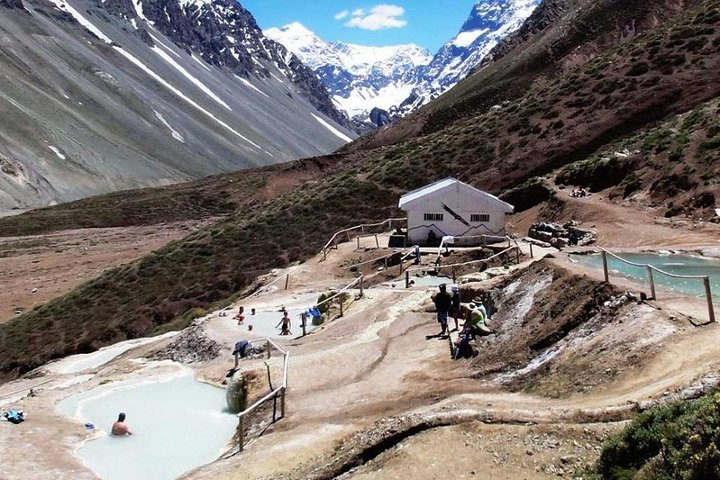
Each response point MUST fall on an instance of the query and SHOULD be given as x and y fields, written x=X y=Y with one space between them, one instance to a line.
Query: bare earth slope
x=662 y=72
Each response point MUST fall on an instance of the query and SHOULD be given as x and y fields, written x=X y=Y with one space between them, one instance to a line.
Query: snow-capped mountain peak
x=489 y=22
x=297 y=35
x=359 y=77
x=392 y=81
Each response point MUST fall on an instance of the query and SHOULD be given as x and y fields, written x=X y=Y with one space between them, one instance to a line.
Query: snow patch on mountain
x=358 y=77
x=400 y=79
x=332 y=129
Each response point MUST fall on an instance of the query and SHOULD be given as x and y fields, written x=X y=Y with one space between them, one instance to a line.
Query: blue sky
x=428 y=23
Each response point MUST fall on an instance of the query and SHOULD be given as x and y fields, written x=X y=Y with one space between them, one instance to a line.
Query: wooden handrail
x=356 y=227
x=651 y=268
x=344 y=289
x=484 y=260
x=7 y=395
x=282 y=389
x=265 y=287
x=647 y=265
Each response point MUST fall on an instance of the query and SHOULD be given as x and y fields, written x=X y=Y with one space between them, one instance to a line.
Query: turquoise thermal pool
x=178 y=424
x=675 y=264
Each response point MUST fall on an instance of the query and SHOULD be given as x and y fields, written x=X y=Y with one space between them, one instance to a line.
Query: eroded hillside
x=668 y=70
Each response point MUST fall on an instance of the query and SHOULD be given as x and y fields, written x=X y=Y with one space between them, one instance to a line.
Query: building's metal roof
x=443 y=184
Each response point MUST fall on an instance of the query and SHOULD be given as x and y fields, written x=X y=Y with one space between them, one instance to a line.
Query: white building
x=450 y=207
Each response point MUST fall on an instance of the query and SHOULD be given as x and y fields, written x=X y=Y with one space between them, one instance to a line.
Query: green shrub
x=679 y=441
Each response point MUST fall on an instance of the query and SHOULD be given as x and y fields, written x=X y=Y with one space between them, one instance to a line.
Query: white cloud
x=341 y=15
x=380 y=17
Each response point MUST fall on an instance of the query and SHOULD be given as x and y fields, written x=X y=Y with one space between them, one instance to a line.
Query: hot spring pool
x=178 y=424
x=430 y=281
x=676 y=264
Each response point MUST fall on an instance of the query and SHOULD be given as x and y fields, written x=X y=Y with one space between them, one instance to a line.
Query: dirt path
x=622 y=227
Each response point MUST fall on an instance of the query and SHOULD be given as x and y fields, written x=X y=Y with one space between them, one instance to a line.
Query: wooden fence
x=650 y=269
x=279 y=393
x=333 y=242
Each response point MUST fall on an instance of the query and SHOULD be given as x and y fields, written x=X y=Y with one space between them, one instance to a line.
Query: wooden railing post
x=708 y=294
x=605 y=267
x=407 y=278
x=282 y=402
x=532 y=255
x=652 y=283
x=358 y=242
x=340 y=297
x=362 y=282
x=287 y=281
x=268 y=349
x=275 y=399
x=377 y=242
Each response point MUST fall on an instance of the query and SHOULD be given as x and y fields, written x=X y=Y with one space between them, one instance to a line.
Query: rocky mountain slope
x=488 y=24
x=102 y=96
x=377 y=85
x=563 y=95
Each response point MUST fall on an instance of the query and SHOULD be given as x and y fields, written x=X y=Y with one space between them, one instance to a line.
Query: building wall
x=462 y=201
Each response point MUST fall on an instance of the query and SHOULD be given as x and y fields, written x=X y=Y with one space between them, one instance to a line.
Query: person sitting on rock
x=477 y=320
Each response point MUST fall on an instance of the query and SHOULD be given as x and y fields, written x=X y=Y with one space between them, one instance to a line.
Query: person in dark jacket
x=443 y=302
x=455 y=310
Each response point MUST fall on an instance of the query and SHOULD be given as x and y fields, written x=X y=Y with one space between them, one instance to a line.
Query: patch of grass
x=678 y=441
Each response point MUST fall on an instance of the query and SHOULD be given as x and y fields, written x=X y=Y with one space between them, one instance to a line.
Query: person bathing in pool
x=119 y=428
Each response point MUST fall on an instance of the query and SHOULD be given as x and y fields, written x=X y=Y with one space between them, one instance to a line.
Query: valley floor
x=370 y=397
x=38 y=268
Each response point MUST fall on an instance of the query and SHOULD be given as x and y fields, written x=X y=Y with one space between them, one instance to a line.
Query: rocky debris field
x=561 y=236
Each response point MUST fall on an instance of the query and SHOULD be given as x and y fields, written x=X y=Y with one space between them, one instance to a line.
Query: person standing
x=443 y=302
x=284 y=324
x=240 y=317
x=455 y=305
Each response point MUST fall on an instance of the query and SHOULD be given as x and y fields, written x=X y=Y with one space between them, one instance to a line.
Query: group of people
x=579 y=192
x=284 y=324
x=474 y=313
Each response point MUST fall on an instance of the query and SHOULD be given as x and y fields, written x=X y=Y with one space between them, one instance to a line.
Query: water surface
x=675 y=264
x=178 y=425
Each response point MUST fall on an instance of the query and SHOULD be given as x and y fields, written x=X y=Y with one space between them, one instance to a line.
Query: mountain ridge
x=418 y=77
x=97 y=100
